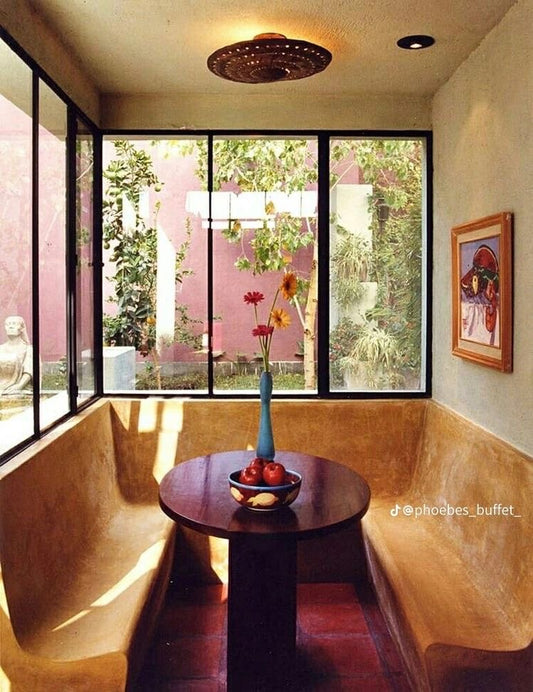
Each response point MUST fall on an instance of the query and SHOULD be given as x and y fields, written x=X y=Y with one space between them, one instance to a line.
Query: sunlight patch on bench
x=71 y=620
x=147 y=562
x=218 y=557
x=154 y=416
x=167 y=448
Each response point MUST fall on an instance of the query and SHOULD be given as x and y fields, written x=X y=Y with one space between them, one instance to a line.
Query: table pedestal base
x=261 y=612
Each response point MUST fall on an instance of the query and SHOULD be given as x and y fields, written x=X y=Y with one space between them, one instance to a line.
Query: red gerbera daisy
x=253 y=297
x=262 y=330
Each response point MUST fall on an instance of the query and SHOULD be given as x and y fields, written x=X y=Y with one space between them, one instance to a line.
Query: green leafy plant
x=258 y=165
x=375 y=355
x=394 y=170
x=341 y=342
x=351 y=265
x=129 y=176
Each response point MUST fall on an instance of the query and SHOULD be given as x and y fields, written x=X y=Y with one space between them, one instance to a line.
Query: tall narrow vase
x=265 y=441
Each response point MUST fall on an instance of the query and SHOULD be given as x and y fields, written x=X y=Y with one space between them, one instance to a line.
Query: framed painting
x=482 y=323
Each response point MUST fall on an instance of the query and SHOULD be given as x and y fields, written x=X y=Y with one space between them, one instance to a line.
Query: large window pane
x=264 y=211
x=155 y=266
x=165 y=229
x=16 y=351
x=84 y=264
x=52 y=254
x=376 y=264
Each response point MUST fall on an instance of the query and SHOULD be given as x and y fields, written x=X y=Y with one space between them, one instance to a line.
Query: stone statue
x=16 y=357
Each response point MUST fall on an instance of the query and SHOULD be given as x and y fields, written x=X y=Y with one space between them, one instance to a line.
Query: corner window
x=208 y=242
x=47 y=283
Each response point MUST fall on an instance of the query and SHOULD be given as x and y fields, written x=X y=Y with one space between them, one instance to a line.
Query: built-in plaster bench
x=453 y=589
x=451 y=561
x=85 y=557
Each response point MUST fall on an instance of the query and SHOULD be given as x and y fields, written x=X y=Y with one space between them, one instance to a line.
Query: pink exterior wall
x=232 y=332
x=52 y=245
x=15 y=215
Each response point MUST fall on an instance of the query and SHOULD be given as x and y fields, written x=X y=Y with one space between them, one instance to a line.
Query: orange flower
x=280 y=318
x=289 y=285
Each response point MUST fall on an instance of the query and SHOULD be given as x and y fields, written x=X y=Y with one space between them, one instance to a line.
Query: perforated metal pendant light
x=268 y=58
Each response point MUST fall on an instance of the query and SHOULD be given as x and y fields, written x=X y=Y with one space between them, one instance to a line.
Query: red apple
x=274 y=473
x=259 y=462
x=251 y=475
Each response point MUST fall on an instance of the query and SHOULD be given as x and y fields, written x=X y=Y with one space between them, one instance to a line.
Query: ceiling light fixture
x=415 y=42
x=268 y=58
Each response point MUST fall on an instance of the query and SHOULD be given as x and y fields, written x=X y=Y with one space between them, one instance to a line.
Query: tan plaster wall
x=378 y=439
x=25 y=25
x=208 y=111
x=483 y=164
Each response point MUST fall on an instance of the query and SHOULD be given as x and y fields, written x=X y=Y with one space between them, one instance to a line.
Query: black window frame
x=74 y=114
x=323 y=137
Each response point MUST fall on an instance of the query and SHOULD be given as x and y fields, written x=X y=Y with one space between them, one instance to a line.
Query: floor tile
x=346 y=618
x=188 y=619
x=341 y=656
x=377 y=683
x=188 y=657
x=343 y=644
x=326 y=593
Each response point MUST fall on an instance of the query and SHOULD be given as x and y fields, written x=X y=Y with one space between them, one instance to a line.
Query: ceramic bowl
x=265 y=498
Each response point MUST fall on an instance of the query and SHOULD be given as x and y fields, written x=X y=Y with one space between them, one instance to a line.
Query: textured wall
x=206 y=111
x=29 y=30
x=483 y=140
x=216 y=111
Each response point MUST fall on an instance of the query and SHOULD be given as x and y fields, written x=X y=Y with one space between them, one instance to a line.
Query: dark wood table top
x=196 y=494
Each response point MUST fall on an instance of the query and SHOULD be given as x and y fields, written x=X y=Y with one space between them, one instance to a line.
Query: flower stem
x=272 y=307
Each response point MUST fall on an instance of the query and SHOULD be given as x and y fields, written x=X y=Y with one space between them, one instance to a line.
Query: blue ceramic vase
x=265 y=441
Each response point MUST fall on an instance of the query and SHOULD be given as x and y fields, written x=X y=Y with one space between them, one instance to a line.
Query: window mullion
x=323 y=266
x=35 y=337
x=71 y=260
x=98 y=265
x=210 y=288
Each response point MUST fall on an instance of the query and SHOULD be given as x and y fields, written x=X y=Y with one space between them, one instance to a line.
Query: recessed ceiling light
x=415 y=42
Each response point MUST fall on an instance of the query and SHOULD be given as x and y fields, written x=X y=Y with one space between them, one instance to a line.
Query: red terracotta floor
x=343 y=643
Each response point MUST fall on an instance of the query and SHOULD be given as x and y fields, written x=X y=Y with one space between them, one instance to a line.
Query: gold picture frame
x=482 y=325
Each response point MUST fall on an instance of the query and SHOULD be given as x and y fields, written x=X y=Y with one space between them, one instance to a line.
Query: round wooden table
x=261 y=639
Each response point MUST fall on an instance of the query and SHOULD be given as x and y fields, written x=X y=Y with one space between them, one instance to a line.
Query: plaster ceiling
x=161 y=46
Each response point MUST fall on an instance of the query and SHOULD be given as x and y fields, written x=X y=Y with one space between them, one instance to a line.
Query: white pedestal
x=119 y=368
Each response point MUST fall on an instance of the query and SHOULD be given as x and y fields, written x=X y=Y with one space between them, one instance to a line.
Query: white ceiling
x=161 y=46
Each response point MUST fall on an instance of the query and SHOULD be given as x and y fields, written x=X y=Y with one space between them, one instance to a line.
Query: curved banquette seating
x=86 y=551
x=451 y=561
x=85 y=562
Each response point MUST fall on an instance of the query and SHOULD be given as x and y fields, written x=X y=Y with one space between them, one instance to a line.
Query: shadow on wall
x=151 y=436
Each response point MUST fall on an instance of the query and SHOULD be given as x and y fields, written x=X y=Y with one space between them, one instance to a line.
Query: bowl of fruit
x=264 y=485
